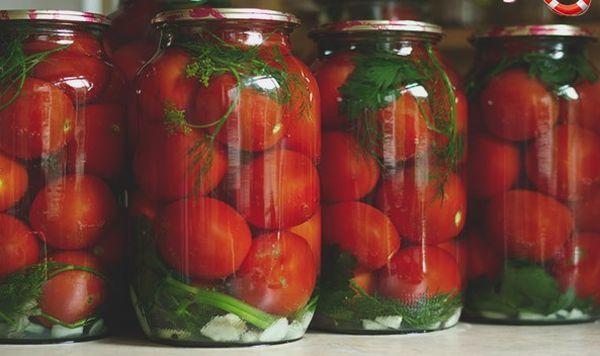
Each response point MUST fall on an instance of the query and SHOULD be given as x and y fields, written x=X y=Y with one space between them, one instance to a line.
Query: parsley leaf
x=525 y=287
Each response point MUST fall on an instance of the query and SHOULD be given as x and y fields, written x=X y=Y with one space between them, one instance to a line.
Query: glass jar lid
x=378 y=26
x=534 y=30
x=215 y=14
x=54 y=16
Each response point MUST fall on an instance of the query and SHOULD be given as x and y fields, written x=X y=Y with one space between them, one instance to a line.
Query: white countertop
x=463 y=340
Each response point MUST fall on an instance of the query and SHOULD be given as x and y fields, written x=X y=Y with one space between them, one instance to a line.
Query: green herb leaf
x=554 y=71
x=525 y=287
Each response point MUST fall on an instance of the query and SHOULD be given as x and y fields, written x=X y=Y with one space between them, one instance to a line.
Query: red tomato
x=111 y=248
x=73 y=212
x=131 y=57
x=202 y=238
x=303 y=113
x=18 y=246
x=584 y=111
x=311 y=232
x=527 y=225
x=277 y=190
x=332 y=73
x=78 y=42
x=366 y=281
x=73 y=295
x=347 y=171
x=163 y=85
x=579 y=266
x=99 y=144
x=494 y=166
x=183 y=170
x=362 y=231
x=482 y=259
x=13 y=182
x=587 y=214
x=416 y=272
x=39 y=122
x=83 y=78
x=415 y=205
x=279 y=274
x=459 y=250
x=518 y=107
x=403 y=128
x=141 y=205
x=565 y=162
x=256 y=122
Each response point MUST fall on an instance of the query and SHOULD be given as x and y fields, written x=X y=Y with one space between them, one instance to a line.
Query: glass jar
x=132 y=40
x=233 y=119
x=391 y=180
x=348 y=10
x=62 y=142
x=534 y=243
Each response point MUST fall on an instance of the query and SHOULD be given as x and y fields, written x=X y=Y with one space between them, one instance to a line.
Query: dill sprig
x=213 y=57
x=346 y=303
x=449 y=153
x=20 y=292
x=15 y=66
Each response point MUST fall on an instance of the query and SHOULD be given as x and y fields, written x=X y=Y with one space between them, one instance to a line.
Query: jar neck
x=370 y=42
x=494 y=49
x=243 y=34
x=27 y=28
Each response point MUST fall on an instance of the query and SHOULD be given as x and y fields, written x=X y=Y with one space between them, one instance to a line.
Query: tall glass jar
x=391 y=180
x=228 y=233
x=132 y=40
x=534 y=243
x=62 y=159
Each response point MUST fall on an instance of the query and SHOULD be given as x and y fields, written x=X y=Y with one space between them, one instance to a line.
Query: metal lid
x=534 y=30
x=54 y=16
x=205 y=13
x=380 y=25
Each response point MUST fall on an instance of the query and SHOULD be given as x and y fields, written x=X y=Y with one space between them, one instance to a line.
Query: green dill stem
x=449 y=86
x=227 y=303
x=68 y=268
x=6 y=318
x=74 y=325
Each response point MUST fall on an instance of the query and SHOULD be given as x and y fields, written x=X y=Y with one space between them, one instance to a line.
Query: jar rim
x=210 y=14
x=361 y=26
x=54 y=16
x=551 y=30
